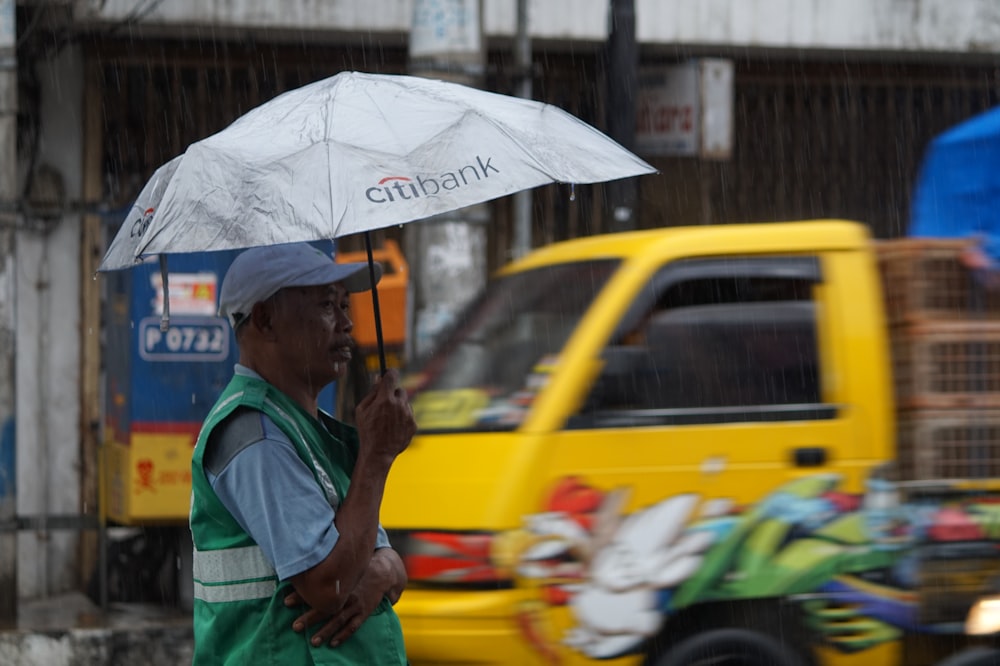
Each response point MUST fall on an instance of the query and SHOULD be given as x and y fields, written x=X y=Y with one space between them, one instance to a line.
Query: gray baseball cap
x=258 y=273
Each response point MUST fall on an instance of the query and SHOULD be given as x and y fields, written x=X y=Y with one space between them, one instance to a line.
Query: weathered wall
x=48 y=343
x=908 y=25
x=586 y=20
x=940 y=26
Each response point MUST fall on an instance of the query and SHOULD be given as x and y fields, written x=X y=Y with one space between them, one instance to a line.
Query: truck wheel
x=979 y=656
x=730 y=647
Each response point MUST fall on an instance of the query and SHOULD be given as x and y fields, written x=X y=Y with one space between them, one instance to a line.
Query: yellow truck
x=680 y=446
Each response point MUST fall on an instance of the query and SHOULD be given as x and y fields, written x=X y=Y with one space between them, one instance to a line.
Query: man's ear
x=262 y=318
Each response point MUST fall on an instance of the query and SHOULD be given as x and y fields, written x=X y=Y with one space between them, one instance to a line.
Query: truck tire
x=730 y=647
x=978 y=656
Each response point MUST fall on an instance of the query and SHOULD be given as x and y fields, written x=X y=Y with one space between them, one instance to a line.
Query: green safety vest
x=239 y=613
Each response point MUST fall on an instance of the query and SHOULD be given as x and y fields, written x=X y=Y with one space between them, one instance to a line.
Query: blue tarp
x=958 y=189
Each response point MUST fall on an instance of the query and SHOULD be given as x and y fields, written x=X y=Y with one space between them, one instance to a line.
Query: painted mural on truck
x=850 y=560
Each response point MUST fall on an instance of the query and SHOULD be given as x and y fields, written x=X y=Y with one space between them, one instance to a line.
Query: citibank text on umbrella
x=141 y=224
x=407 y=188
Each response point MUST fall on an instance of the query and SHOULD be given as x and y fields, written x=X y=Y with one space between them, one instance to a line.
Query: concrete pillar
x=522 y=200
x=49 y=333
x=8 y=218
x=446 y=253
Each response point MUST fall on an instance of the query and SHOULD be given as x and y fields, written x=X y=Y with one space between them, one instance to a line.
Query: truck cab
x=665 y=446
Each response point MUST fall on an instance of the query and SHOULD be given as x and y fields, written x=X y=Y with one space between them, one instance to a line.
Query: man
x=285 y=499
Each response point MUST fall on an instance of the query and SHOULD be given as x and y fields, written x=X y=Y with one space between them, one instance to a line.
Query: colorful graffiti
x=851 y=559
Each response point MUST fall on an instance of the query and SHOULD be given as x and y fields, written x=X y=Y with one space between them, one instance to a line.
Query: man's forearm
x=384 y=577
x=327 y=585
x=357 y=517
x=385 y=426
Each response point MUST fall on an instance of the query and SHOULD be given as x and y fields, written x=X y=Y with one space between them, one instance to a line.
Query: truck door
x=713 y=384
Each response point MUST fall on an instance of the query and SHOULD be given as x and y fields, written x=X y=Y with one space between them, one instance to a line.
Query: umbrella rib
x=381 y=113
x=501 y=127
x=329 y=189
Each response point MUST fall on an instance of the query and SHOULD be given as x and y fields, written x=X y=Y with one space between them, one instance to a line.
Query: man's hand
x=384 y=418
x=385 y=577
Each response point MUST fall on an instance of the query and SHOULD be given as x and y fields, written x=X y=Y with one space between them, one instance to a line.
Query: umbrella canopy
x=357 y=152
x=958 y=189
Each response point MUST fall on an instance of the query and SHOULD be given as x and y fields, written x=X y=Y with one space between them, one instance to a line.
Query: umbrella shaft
x=375 y=310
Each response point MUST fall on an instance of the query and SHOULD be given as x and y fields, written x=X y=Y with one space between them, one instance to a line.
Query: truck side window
x=725 y=343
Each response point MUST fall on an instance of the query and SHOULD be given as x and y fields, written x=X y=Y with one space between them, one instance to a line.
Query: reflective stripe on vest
x=231 y=565
x=217 y=594
x=233 y=574
x=222 y=405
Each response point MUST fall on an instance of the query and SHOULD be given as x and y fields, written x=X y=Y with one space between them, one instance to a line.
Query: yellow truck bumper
x=468 y=627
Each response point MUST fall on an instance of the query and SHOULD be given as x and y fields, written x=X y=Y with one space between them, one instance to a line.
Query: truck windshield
x=487 y=372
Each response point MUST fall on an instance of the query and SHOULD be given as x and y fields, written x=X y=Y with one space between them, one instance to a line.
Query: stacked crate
x=945 y=336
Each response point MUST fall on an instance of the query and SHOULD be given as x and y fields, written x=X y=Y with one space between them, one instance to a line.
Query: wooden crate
x=948 y=444
x=924 y=280
x=947 y=364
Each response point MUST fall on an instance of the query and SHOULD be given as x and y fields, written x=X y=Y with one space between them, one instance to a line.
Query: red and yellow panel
x=148 y=476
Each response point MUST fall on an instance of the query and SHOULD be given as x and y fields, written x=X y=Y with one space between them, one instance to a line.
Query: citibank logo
x=141 y=223
x=403 y=188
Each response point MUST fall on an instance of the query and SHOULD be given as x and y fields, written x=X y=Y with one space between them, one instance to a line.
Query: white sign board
x=667 y=108
x=686 y=109
x=443 y=27
x=190 y=293
x=716 y=77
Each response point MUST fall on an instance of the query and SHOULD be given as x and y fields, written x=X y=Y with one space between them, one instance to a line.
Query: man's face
x=313 y=330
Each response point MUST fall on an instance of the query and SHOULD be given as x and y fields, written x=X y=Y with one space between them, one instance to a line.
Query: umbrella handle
x=375 y=310
x=164 y=285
